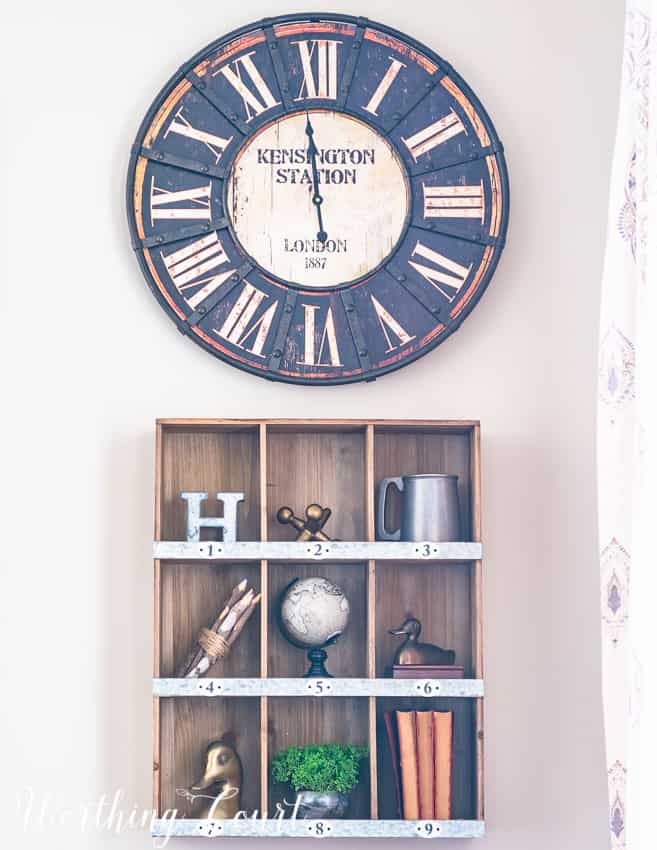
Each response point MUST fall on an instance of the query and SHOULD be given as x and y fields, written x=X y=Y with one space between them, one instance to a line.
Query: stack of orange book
x=421 y=746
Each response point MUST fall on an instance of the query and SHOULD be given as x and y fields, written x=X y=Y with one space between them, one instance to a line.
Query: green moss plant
x=319 y=767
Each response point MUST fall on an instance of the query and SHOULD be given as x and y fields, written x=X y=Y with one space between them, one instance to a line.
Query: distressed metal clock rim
x=340 y=287
x=315 y=17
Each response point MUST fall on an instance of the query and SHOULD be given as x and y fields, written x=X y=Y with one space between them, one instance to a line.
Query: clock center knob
x=272 y=193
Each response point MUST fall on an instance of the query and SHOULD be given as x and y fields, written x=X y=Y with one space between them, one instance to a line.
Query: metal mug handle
x=381 y=532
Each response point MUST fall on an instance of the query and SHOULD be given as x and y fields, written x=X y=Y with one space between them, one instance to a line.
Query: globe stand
x=317 y=657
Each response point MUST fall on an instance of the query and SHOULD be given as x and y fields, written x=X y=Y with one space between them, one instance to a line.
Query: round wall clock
x=317 y=199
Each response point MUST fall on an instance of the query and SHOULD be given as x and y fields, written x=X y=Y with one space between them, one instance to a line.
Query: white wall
x=90 y=361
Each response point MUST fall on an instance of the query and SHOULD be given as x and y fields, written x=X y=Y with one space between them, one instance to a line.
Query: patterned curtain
x=627 y=430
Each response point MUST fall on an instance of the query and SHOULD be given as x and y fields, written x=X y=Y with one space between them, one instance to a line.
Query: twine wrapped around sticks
x=215 y=642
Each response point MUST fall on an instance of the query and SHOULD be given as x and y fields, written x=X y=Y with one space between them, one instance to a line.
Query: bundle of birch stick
x=215 y=642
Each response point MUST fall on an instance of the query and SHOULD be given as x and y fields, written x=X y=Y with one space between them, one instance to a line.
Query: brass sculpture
x=411 y=651
x=222 y=779
x=311 y=527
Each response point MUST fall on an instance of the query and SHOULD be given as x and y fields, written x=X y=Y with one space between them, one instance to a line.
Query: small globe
x=314 y=612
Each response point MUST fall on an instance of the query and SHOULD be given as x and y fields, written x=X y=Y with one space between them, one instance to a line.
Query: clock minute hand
x=317 y=198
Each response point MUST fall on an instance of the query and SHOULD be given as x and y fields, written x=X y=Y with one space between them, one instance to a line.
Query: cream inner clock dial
x=318 y=199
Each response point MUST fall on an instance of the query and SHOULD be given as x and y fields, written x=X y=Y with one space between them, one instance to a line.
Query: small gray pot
x=317 y=805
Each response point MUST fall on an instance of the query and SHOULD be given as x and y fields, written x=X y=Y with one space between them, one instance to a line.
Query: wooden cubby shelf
x=257 y=692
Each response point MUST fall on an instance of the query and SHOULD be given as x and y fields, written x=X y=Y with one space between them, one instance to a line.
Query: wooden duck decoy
x=412 y=651
x=222 y=777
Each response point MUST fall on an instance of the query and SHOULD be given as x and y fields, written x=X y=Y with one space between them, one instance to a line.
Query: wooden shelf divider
x=264 y=609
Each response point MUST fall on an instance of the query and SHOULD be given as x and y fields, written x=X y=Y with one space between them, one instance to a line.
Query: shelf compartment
x=180 y=550
x=187 y=726
x=319 y=688
x=211 y=460
x=438 y=595
x=464 y=760
x=327 y=466
x=190 y=600
x=348 y=656
x=297 y=722
x=274 y=828
x=415 y=450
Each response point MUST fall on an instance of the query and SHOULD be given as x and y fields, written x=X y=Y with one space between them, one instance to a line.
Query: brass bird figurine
x=411 y=651
x=222 y=778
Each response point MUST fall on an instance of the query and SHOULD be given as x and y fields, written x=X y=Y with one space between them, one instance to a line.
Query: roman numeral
x=435 y=134
x=444 y=272
x=328 y=340
x=387 y=80
x=252 y=105
x=390 y=324
x=197 y=203
x=236 y=328
x=189 y=267
x=326 y=82
x=454 y=201
x=215 y=144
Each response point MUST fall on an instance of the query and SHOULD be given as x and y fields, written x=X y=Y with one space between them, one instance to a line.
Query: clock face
x=317 y=199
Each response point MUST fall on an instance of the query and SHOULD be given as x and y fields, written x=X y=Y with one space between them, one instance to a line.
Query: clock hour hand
x=316 y=198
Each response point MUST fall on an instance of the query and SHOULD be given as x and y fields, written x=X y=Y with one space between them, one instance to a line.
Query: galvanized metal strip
x=165 y=158
x=218 y=295
x=295 y=828
x=396 y=118
x=282 y=330
x=352 y=61
x=181 y=550
x=422 y=293
x=201 y=86
x=356 y=330
x=279 y=68
x=186 y=232
x=316 y=687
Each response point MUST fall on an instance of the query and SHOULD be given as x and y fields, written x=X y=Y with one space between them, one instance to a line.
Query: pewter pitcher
x=429 y=508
